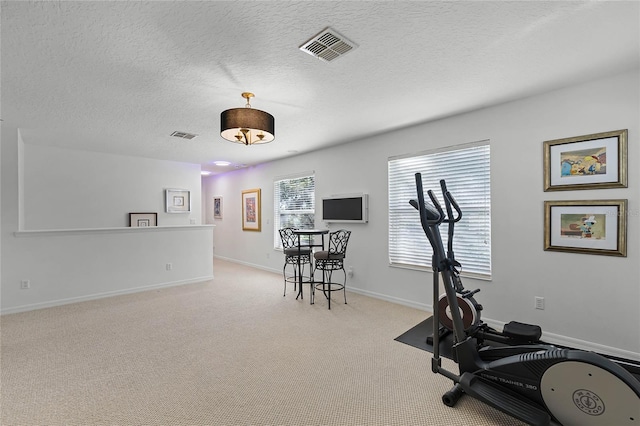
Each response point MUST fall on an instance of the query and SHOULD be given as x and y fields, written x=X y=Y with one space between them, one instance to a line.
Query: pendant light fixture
x=246 y=125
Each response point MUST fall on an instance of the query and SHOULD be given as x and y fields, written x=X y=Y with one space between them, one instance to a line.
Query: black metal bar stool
x=332 y=260
x=295 y=256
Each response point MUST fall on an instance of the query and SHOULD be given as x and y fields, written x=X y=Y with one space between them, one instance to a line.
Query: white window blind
x=293 y=203
x=466 y=170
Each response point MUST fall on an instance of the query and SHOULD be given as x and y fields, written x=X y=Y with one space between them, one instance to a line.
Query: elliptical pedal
x=522 y=332
x=503 y=399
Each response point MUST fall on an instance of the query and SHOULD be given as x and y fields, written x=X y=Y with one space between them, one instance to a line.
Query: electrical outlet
x=25 y=284
x=350 y=271
x=539 y=302
x=169 y=266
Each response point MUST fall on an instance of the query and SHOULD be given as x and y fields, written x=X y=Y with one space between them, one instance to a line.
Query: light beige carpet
x=232 y=351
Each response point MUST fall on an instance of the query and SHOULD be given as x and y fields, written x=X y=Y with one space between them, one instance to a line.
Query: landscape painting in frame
x=251 y=210
x=593 y=227
x=586 y=162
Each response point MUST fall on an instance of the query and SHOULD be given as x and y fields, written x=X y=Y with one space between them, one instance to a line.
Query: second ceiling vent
x=183 y=135
x=328 y=45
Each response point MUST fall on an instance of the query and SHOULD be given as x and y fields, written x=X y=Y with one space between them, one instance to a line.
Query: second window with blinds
x=466 y=170
x=293 y=203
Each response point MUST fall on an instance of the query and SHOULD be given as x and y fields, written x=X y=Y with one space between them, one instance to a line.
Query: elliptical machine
x=513 y=333
x=535 y=383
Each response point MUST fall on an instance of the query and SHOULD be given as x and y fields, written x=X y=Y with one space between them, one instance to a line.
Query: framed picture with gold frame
x=251 y=220
x=591 y=227
x=591 y=161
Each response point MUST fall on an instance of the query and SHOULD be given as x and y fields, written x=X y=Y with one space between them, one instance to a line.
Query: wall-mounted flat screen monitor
x=346 y=208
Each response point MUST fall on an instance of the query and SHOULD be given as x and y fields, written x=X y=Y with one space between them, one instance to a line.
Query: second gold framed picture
x=592 y=227
x=251 y=210
x=591 y=161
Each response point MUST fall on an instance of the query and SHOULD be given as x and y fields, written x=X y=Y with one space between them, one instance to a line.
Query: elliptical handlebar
x=450 y=201
x=435 y=202
x=429 y=215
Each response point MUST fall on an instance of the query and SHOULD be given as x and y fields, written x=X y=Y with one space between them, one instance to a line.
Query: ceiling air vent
x=328 y=45
x=183 y=135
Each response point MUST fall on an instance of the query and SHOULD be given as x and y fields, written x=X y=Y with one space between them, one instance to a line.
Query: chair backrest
x=338 y=241
x=289 y=239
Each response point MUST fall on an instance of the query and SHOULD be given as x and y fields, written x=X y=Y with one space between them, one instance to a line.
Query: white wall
x=64 y=225
x=591 y=301
x=71 y=266
x=96 y=190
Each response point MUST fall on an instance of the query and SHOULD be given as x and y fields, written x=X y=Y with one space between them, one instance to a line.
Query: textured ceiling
x=120 y=77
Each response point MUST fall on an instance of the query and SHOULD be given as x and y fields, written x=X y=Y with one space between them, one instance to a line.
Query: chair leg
x=344 y=287
x=295 y=276
x=322 y=272
x=312 y=284
x=328 y=293
x=284 y=274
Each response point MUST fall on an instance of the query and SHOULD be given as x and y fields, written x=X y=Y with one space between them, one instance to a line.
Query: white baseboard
x=60 y=302
x=399 y=301
x=252 y=265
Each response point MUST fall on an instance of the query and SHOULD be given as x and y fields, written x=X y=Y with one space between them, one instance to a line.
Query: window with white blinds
x=466 y=171
x=293 y=203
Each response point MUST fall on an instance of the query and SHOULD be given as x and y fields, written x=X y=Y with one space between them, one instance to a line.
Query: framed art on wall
x=217 y=207
x=591 y=227
x=592 y=161
x=178 y=200
x=251 y=210
x=143 y=219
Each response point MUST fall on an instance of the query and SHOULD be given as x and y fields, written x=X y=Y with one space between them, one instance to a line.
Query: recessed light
x=205 y=173
x=221 y=163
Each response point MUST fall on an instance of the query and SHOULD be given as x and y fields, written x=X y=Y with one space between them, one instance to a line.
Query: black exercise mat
x=417 y=337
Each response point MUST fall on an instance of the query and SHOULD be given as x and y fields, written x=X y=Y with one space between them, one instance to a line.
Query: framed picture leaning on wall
x=143 y=219
x=591 y=161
